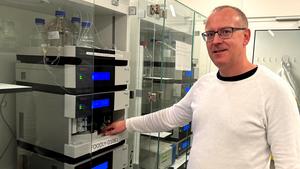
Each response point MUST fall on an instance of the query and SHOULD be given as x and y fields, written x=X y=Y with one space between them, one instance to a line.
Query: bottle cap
x=86 y=24
x=60 y=13
x=40 y=21
x=75 y=19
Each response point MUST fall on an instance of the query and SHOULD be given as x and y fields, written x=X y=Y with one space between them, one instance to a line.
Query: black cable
x=3 y=118
x=6 y=148
x=8 y=126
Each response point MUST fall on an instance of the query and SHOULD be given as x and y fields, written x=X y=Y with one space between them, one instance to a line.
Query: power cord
x=6 y=148
x=44 y=46
x=47 y=67
x=3 y=104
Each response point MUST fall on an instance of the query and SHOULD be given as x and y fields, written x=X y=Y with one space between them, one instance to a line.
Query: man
x=241 y=116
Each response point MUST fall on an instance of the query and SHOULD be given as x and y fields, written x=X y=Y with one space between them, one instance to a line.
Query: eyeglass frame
x=233 y=29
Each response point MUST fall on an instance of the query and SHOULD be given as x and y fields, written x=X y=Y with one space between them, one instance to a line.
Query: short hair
x=237 y=10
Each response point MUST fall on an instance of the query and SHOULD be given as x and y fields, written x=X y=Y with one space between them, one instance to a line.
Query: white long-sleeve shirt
x=236 y=124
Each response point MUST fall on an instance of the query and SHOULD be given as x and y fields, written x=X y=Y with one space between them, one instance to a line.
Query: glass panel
x=176 y=53
x=73 y=54
x=151 y=28
x=8 y=42
x=271 y=50
x=148 y=40
x=177 y=70
x=166 y=37
x=111 y=96
x=40 y=37
x=199 y=48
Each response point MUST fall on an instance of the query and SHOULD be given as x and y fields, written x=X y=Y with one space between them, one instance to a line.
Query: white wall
x=252 y=8
x=259 y=8
x=206 y=6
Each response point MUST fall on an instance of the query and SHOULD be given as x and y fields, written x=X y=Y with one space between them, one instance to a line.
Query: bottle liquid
x=75 y=29
x=38 y=38
x=59 y=31
x=86 y=38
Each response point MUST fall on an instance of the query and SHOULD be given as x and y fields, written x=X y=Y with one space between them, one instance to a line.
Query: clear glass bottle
x=9 y=35
x=38 y=37
x=86 y=37
x=59 y=30
x=75 y=29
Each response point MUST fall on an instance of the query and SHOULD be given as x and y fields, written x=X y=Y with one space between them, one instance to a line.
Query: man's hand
x=115 y=128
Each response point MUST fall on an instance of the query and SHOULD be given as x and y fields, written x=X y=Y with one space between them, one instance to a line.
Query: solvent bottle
x=75 y=29
x=59 y=31
x=38 y=37
x=86 y=37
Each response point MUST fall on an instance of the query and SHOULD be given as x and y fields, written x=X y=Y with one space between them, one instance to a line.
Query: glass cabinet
x=165 y=66
x=90 y=63
x=74 y=55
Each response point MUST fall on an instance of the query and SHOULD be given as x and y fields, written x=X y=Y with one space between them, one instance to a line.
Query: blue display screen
x=100 y=76
x=187 y=89
x=189 y=74
x=100 y=103
x=185 y=144
x=186 y=127
x=101 y=166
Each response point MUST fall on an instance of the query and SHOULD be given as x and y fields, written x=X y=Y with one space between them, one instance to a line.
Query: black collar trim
x=237 y=77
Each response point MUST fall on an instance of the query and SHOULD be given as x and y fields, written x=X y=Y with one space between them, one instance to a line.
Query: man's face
x=226 y=52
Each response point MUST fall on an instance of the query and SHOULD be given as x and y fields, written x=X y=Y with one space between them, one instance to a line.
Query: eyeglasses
x=224 y=33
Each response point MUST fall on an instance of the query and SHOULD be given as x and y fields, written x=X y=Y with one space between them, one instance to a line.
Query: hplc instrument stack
x=76 y=94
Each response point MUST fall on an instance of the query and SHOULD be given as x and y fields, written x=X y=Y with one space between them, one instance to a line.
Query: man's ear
x=247 y=35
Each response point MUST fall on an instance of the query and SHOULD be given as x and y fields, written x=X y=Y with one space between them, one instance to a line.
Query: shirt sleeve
x=165 y=119
x=283 y=128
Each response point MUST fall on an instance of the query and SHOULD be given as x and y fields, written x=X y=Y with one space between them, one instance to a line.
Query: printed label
x=53 y=35
x=104 y=143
